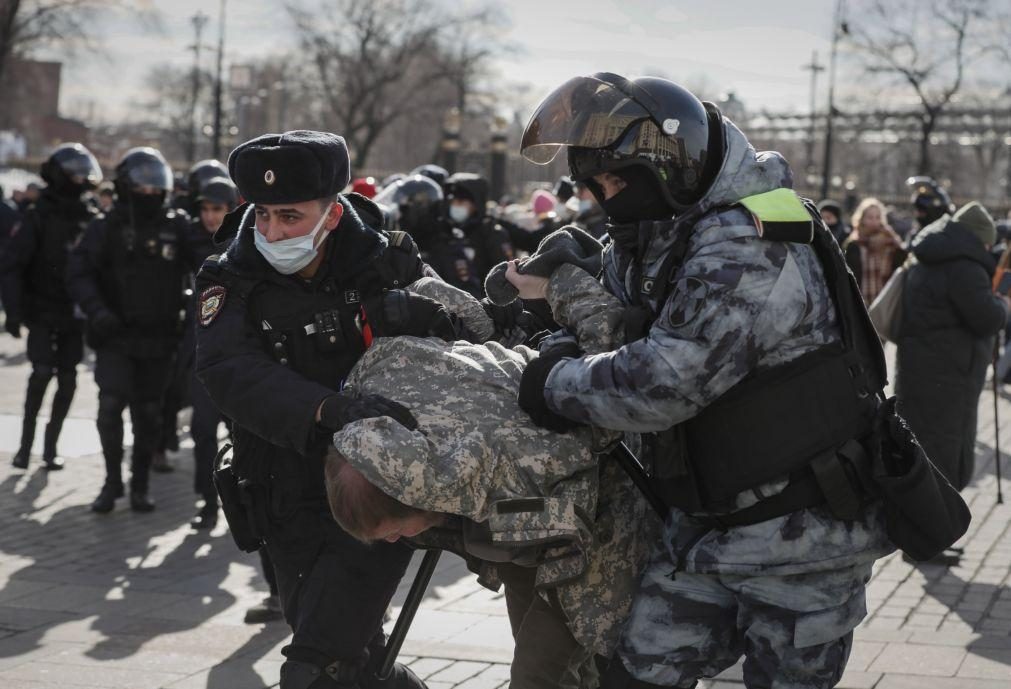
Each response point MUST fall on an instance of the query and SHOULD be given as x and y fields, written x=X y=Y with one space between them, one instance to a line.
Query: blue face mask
x=459 y=212
x=288 y=256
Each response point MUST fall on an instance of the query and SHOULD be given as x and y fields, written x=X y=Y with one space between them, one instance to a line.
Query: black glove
x=505 y=317
x=339 y=410
x=13 y=326
x=105 y=324
x=399 y=312
x=531 y=398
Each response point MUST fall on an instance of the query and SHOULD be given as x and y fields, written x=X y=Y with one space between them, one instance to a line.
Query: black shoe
x=161 y=464
x=106 y=500
x=140 y=502
x=54 y=463
x=207 y=517
x=20 y=460
x=266 y=611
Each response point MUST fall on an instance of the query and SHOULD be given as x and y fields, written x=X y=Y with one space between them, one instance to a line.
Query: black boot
x=49 y=456
x=140 y=502
x=20 y=460
x=106 y=500
x=207 y=516
x=160 y=463
x=66 y=384
x=37 y=383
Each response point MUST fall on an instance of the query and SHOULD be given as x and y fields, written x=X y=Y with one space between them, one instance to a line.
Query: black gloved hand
x=105 y=324
x=340 y=410
x=399 y=312
x=505 y=317
x=13 y=326
x=531 y=398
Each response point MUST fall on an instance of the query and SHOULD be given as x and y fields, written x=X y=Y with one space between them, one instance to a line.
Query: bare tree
x=378 y=61
x=170 y=107
x=928 y=47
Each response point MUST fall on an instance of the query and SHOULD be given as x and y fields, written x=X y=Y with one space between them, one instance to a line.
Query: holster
x=924 y=513
x=238 y=502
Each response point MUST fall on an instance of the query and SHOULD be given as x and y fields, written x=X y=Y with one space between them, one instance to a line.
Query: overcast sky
x=753 y=48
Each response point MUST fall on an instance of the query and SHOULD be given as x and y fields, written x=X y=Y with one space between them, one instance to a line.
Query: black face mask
x=639 y=200
x=146 y=207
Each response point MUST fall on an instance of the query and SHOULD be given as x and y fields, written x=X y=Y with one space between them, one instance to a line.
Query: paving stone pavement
x=142 y=601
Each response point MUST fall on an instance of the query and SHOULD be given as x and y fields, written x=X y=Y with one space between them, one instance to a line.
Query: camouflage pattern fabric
x=461 y=303
x=477 y=455
x=796 y=631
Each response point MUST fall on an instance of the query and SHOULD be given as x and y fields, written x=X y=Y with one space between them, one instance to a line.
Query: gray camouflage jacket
x=477 y=455
x=740 y=304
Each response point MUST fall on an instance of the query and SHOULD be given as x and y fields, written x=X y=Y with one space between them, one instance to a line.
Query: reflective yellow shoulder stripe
x=778 y=205
x=780 y=215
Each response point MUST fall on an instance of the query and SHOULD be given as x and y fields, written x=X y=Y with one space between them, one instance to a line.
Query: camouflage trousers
x=794 y=631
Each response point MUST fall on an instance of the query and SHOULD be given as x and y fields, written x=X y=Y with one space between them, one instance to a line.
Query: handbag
x=886 y=310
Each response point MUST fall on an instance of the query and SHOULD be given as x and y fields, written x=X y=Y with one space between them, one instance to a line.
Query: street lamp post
x=216 y=147
x=199 y=21
x=838 y=28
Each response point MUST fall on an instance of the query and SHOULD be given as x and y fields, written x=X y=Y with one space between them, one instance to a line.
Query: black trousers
x=547 y=656
x=139 y=383
x=334 y=590
x=53 y=352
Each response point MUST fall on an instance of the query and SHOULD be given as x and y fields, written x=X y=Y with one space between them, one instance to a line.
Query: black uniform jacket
x=271 y=347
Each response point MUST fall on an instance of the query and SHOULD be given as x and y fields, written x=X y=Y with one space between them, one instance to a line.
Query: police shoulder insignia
x=689 y=296
x=211 y=301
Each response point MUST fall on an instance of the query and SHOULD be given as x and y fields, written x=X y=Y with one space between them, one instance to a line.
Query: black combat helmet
x=71 y=170
x=418 y=201
x=433 y=172
x=929 y=200
x=143 y=181
x=220 y=190
x=470 y=186
x=647 y=129
x=203 y=172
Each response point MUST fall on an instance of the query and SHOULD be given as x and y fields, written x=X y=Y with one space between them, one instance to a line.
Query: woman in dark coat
x=950 y=316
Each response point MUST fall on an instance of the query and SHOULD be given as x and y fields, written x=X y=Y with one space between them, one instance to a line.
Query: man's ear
x=335 y=215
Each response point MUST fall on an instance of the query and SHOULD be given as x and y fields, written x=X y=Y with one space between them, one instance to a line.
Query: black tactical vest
x=57 y=227
x=775 y=423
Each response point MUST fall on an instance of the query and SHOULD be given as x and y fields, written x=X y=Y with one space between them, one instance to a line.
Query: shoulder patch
x=397 y=238
x=687 y=300
x=211 y=301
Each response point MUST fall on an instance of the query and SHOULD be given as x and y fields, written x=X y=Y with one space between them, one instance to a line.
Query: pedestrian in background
x=873 y=250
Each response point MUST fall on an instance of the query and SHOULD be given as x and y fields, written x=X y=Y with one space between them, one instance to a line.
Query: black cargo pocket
x=822 y=626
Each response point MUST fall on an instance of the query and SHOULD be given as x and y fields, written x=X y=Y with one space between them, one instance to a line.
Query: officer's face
x=212 y=215
x=610 y=183
x=277 y=221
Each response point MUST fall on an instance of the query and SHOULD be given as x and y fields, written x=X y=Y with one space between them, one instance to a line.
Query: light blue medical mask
x=288 y=256
x=459 y=212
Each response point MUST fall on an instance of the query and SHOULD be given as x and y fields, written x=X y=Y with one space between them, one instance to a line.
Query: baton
x=996 y=423
x=630 y=463
x=407 y=613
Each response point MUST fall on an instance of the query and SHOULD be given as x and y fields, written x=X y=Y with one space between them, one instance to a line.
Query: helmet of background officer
x=433 y=172
x=390 y=180
x=467 y=197
x=418 y=201
x=71 y=170
x=216 y=198
x=202 y=172
x=143 y=181
x=294 y=181
x=647 y=148
x=366 y=186
x=929 y=200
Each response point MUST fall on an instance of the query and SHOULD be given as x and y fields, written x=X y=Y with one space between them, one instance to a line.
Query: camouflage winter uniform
x=787 y=591
x=477 y=455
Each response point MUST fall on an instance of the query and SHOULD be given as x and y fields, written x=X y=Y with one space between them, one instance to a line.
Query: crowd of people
x=646 y=402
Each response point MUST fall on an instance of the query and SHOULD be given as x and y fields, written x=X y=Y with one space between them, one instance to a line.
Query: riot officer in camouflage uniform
x=755 y=375
x=126 y=274
x=32 y=271
x=283 y=314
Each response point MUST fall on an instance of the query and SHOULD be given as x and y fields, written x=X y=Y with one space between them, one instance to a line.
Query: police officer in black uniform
x=283 y=315
x=32 y=274
x=488 y=241
x=929 y=200
x=126 y=274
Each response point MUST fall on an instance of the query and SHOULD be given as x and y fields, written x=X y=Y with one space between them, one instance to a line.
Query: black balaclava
x=641 y=199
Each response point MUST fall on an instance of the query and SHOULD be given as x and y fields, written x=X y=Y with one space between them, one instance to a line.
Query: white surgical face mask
x=288 y=256
x=459 y=212
x=585 y=205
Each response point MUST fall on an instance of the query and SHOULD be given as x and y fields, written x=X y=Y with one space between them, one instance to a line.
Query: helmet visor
x=82 y=169
x=150 y=173
x=585 y=112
